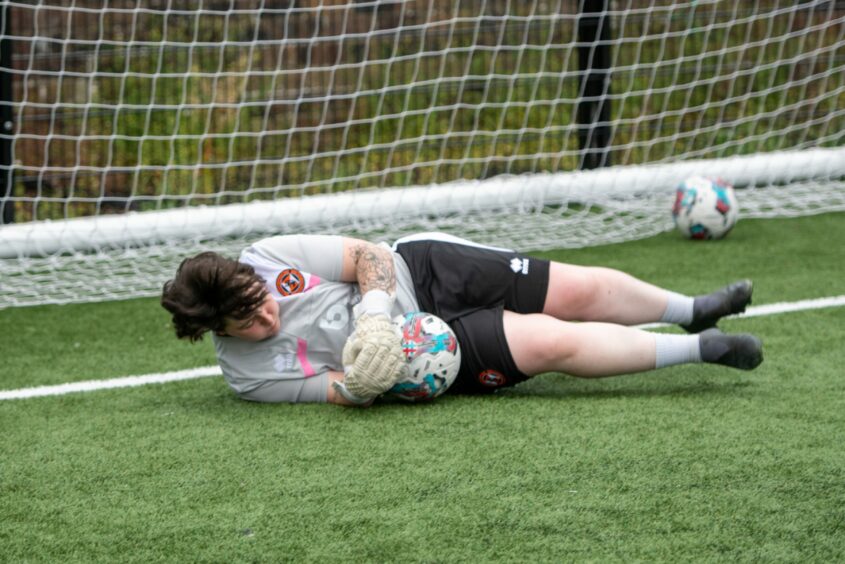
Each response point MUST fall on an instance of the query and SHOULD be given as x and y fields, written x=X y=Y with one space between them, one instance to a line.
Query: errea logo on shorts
x=519 y=265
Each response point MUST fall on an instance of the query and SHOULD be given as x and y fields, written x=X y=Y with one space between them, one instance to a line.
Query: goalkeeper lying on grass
x=307 y=318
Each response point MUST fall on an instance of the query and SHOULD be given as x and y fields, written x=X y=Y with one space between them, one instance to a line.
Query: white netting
x=380 y=118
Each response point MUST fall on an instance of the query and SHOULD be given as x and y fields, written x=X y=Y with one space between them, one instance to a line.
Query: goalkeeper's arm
x=369 y=265
x=372 y=358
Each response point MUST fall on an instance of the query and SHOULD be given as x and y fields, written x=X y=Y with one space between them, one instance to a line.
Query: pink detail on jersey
x=301 y=350
x=313 y=282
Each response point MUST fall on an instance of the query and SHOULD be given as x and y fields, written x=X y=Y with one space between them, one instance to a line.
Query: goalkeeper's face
x=262 y=324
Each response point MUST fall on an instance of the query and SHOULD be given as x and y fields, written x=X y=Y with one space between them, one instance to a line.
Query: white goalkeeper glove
x=372 y=357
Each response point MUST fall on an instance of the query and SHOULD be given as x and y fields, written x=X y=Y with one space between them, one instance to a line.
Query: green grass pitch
x=692 y=463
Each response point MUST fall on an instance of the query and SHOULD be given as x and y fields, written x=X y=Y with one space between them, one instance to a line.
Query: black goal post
x=7 y=208
x=594 y=59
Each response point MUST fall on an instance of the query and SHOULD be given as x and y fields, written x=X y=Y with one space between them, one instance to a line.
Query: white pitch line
x=124 y=382
x=206 y=371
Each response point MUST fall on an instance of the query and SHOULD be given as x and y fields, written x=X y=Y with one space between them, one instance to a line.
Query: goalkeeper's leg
x=540 y=343
x=580 y=293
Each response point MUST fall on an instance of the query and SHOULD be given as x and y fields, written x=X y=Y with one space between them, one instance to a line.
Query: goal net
x=134 y=133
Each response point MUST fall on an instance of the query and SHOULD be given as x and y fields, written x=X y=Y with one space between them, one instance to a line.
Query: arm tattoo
x=374 y=268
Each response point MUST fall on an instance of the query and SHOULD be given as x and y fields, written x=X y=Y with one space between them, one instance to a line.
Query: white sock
x=676 y=349
x=678 y=309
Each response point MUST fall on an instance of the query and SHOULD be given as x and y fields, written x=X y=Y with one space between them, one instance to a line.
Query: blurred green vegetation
x=157 y=109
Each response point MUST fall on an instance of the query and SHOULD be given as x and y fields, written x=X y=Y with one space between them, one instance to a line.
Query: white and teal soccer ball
x=432 y=355
x=705 y=208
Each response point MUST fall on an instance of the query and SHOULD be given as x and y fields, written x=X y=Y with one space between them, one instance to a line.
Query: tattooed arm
x=372 y=357
x=369 y=265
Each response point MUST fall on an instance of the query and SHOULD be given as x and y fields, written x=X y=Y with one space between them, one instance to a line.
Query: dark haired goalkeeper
x=307 y=318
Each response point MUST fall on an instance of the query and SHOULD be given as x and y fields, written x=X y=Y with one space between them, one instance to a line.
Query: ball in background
x=705 y=208
x=432 y=355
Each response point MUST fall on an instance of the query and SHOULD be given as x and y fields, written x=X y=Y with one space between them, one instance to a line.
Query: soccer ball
x=705 y=208
x=432 y=356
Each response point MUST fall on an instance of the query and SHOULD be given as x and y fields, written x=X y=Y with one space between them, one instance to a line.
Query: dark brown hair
x=206 y=290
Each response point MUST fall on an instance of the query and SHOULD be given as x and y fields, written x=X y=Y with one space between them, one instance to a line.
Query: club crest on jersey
x=290 y=281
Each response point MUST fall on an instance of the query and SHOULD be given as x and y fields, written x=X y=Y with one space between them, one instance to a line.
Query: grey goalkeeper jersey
x=302 y=272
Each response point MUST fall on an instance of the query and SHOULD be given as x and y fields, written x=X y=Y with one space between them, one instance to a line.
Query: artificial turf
x=694 y=463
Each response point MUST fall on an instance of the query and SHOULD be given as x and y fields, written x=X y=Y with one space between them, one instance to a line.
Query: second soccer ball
x=705 y=208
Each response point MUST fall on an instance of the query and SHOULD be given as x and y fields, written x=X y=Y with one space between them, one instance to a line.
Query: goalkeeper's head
x=209 y=292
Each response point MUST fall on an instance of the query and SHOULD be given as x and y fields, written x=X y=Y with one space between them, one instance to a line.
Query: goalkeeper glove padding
x=372 y=358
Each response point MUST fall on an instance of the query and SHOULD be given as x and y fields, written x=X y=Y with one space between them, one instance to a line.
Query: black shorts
x=469 y=286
